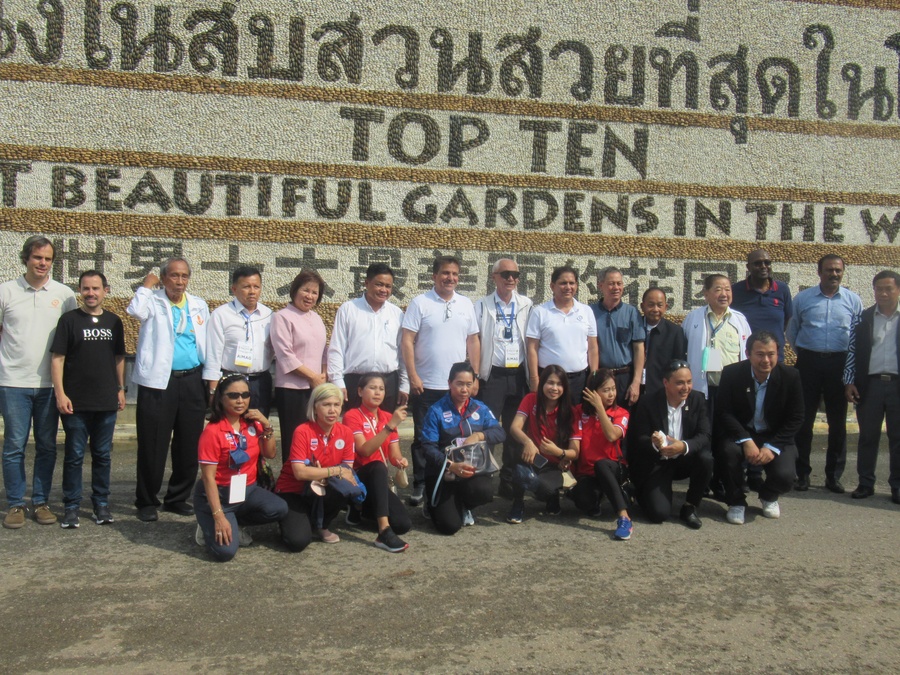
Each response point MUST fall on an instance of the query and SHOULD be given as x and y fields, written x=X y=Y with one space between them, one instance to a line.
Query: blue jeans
x=19 y=406
x=80 y=426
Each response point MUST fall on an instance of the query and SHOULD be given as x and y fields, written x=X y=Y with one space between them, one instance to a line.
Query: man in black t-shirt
x=88 y=372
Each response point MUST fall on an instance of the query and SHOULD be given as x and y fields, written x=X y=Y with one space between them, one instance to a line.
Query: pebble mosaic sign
x=668 y=137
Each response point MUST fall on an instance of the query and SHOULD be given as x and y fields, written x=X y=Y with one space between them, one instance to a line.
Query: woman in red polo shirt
x=322 y=448
x=599 y=451
x=377 y=442
x=545 y=425
x=227 y=496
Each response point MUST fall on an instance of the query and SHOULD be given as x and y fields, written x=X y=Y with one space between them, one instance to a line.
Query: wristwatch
x=122 y=388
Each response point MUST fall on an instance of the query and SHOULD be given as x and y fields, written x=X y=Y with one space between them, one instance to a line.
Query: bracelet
x=217 y=512
x=564 y=453
x=388 y=427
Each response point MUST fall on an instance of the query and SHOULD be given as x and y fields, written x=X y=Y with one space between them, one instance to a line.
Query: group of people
x=587 y=400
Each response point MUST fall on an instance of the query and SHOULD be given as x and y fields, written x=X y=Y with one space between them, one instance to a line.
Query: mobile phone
x=539 y=461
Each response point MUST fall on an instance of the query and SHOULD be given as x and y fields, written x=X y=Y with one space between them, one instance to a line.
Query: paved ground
x=817 y=590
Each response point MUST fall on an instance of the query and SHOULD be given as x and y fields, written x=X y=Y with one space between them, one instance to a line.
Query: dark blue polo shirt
x=616 y=331
x=769 y=311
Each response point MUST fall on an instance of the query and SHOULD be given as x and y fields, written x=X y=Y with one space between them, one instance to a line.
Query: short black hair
x=559 y=271
x=378 y=268
x=887 y=274
x=829 y=256
x=672 y=366
x=244 y=271
x=710 y=279
x=93 y=273
x=654 y=288
x=460 y=367
x=763 y=336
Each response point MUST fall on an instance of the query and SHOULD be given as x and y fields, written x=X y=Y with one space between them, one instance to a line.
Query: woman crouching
x=227 y=496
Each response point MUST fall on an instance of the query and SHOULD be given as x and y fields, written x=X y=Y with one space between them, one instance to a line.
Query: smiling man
x=439 y=329
x=759 y=411
x=765 y=301
x=621 y=335
x=665 y=341
x=171 y=401
x=88 y=370
x=366 y=339
x=30 y=307
x=237 y=340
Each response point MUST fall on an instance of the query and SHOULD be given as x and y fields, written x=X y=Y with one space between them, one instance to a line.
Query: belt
x=189 y=371
x=249 y=376
x=504 y=369
x=619 y=371
x=823 y=355
x=884 y=377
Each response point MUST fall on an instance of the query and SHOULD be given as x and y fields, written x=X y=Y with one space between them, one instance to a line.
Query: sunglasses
x=509 y=274
x=235 y=395
x=677 y=365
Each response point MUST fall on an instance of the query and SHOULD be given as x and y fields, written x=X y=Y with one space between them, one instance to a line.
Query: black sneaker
x=388 y=541
x=102 y=516
x=70 y=520
x=354 y=515
x=553 y=506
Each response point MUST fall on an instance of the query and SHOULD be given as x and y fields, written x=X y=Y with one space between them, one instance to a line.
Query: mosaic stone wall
x=668 y=137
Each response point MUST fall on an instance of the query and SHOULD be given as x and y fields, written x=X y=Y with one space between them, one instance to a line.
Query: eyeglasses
x=509 y=274
x=447 y=311
x=235 y=395
x=762 y=263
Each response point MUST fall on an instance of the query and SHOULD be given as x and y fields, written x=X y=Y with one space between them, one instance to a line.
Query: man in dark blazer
x=665 y=341
x=759 y=410
x=872 y=382
x=669 y=439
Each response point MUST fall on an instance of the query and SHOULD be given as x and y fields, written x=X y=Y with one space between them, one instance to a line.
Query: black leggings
x=303 y=515
x=544 y=483
x=454 y=497
x=590 y=489
x=380 y=501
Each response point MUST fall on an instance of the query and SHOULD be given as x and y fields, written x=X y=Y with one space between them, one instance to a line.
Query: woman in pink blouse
x=300 y=342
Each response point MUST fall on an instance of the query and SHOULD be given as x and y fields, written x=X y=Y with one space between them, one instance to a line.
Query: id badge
x=712 y=360
x=243 y=357
x=238 y=490
x=512 y=354
x=644 y=376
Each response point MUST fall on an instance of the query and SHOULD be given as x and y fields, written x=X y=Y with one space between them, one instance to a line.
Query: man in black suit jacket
x=665 y=341
x=669 y=439
x=872 y=382
x=759 y=410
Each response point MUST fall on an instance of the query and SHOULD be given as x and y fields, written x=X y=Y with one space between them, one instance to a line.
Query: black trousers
x=881 y=402
x=589 y=490
x=544 y=483
x=174 y=414
x=654 y=489
x=623 y=381
x=780 y=472
x=822 y=376
x=291 y=404
x=454 y=497
x=391 y=390
x=380 y=501
x=502 y=393
x=418 y=406
x=260 y=390
x=308 y=512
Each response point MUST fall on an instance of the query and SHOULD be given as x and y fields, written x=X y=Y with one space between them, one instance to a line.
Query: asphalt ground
x=815 y=591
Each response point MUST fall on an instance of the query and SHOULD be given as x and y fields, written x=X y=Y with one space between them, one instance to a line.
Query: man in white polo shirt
x=366 y=339
x=30 y=307
x=439 y=329
x=563 y=331
x=237 y=340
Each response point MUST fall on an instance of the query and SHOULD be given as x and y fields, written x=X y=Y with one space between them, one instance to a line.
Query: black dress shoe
x=861 y=492
x=147 y=514
x=802 y=484
x=835 y=486
x=895 y=495
x=179 y=508
x=689 y=516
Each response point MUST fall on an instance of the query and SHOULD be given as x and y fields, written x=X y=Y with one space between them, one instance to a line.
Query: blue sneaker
x=516 y=512
x=624 y=528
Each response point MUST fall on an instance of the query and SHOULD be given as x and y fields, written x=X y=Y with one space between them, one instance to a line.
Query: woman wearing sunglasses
x=227 y=497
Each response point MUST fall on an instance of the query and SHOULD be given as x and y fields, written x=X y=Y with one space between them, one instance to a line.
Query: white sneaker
x=198 y=537
x=244 y=538
x=468 y=518
x=770 y=509
x=735 y=515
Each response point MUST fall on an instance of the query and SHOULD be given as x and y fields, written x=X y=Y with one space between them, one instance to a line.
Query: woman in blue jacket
x=456 y=419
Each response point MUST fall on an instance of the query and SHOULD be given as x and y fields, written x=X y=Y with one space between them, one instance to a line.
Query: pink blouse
x=298 y=339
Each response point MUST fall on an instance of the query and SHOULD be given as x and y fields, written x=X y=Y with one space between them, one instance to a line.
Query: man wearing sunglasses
x=171 y=400
x=439 y=329
x=762 y=299
x=502 y=319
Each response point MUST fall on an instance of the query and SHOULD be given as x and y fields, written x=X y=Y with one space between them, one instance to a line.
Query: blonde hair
x=320 y=393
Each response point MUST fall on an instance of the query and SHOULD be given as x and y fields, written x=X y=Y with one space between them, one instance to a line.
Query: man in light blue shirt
x=819 y=332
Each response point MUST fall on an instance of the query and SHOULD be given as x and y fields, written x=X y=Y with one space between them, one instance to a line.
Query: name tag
x=512 y=354
x=243 y=357
x=712 y=360
x=238 y=491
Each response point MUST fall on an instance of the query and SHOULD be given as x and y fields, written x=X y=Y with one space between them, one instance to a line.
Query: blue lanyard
x=714 y=331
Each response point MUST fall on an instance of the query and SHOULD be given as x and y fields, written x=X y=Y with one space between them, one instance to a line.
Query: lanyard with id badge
x=243 y=355
x=712 y=355
x=507 y=336
x=237 y=457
